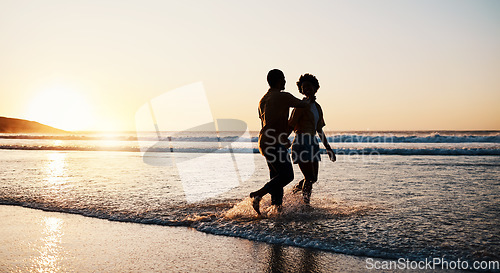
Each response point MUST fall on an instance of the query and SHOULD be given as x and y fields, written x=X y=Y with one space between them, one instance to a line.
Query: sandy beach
x=40 y=241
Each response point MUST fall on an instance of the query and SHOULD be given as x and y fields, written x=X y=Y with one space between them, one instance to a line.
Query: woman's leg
x=310 y=171
x=307 y=169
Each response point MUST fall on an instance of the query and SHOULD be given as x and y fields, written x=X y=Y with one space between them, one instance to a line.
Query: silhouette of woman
x=306 y=122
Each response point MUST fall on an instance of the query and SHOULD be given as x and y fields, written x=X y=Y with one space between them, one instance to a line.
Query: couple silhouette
x=306 y=120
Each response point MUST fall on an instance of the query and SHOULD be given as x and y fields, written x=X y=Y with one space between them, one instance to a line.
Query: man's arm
x=294 y=119
x=292 y=101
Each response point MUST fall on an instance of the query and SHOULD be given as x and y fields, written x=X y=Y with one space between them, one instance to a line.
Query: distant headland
x=16 y=126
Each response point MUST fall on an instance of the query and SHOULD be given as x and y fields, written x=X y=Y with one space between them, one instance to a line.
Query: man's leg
x=265 y=189
x=272 y=171
x=281 y=171
x=283 y=167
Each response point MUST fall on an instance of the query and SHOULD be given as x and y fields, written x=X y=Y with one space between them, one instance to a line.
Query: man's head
x=276 y=79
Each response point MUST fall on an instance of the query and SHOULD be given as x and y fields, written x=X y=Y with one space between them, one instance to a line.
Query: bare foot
x=256 y=203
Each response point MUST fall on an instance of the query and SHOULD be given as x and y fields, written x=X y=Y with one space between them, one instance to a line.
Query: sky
x=382 y=65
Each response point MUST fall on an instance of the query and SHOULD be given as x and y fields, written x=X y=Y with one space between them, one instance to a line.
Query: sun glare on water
x=62 y=108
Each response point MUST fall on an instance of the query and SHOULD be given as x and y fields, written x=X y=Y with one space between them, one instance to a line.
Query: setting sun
x=61 y=107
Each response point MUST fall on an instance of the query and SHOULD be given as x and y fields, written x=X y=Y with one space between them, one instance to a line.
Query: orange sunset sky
x=382 y=65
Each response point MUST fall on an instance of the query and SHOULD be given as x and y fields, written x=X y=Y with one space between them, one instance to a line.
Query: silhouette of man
x=273 y=138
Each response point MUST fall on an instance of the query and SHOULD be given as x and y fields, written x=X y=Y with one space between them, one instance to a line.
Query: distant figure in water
x=306 y=122
x=273 y=138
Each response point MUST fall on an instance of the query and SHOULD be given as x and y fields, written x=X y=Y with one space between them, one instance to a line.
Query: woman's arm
x=329 y=150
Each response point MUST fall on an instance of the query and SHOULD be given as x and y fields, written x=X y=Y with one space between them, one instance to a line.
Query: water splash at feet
x=294 y=208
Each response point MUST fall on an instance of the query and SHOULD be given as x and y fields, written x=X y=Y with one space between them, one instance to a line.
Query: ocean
x=413 y=195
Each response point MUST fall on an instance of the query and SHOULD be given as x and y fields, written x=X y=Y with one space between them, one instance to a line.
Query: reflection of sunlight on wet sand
x=50 y=250
x=55 y=169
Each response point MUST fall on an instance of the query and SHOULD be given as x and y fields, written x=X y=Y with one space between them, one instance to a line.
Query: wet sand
x=39 y=241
